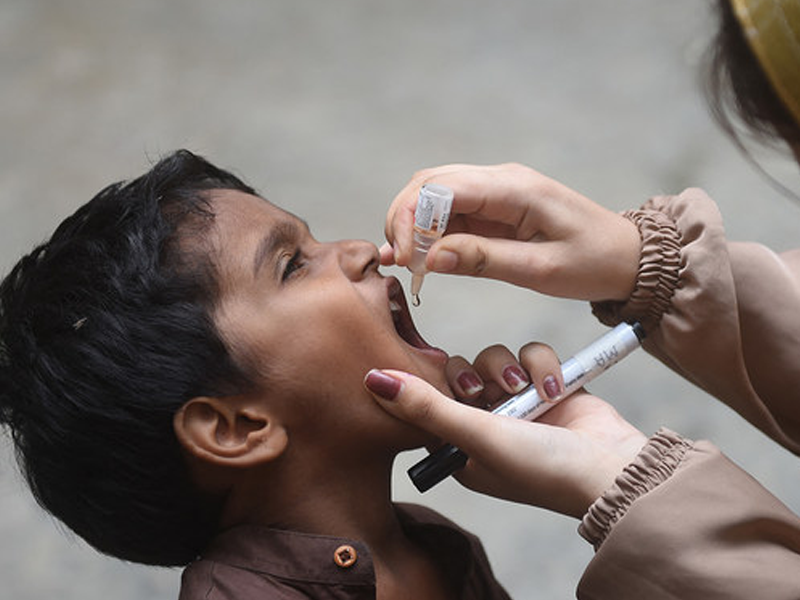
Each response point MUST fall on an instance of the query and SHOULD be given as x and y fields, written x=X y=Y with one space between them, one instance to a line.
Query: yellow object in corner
x=772 y=28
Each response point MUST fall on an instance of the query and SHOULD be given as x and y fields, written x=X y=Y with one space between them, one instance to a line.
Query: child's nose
x=357 y=257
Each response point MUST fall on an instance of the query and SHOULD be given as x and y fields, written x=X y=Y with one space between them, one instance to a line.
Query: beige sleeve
x=724 y=315
x=684 y=522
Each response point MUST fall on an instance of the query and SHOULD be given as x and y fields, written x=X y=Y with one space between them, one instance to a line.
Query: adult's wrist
x=657 y=276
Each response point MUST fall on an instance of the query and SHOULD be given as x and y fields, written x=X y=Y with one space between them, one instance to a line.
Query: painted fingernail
x=551 y=387
x=516 y=378
x=470 y=383
x=445 y=261
x=383 y=385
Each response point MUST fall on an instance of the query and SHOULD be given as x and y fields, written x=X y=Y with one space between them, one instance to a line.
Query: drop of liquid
x=415 y=300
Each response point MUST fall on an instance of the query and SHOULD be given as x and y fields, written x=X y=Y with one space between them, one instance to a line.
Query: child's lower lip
x=437 y=354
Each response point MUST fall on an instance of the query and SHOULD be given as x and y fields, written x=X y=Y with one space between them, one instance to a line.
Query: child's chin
x=416 y=438
x=438 y=379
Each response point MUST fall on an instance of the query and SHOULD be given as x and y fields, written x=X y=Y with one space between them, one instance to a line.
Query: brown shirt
x=249 y=562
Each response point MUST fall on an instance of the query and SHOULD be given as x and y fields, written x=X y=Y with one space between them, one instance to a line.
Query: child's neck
x=353 y=504
x=349 y=500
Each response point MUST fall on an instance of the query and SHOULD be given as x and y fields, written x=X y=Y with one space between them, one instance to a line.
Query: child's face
x=313 y=318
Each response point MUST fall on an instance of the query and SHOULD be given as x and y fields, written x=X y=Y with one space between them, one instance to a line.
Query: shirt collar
x=291 y=555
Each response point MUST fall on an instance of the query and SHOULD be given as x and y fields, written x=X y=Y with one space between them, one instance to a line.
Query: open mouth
x=401 y=317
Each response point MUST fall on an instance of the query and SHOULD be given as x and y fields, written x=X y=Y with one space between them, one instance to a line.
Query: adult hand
x=562 y=462
x=511 y=223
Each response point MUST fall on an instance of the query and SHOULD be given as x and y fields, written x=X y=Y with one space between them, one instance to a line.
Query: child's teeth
x=394 y=306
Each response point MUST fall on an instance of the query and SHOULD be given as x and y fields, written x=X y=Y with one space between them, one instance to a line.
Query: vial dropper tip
x=416 y=286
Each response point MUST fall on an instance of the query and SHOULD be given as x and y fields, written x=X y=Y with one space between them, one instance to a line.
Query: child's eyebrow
x=283 y=234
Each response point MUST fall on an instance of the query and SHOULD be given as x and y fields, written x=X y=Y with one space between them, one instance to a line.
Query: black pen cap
x=436 y=467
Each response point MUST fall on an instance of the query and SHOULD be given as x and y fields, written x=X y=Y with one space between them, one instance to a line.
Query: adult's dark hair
x=105 y=331
x=737 y=86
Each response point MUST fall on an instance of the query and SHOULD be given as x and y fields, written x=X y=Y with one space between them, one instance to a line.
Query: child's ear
x=229 y=432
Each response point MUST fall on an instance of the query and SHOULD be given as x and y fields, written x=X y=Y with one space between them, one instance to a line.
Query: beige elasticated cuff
x=655 y=463
x=658 y=276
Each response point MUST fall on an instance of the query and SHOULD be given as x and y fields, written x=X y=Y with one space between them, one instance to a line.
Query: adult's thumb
x=417 y=402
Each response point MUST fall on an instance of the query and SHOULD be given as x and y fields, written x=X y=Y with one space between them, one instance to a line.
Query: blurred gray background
x=328 y=108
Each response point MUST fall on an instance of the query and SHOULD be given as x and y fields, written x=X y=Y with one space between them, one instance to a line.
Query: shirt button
x=345 y=556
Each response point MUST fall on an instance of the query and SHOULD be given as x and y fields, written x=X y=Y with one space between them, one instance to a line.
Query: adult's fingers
x=415 y=401
x=497 y=363
x=399 y=224
x=463 y=379
x=497 y=194
x=543 y=366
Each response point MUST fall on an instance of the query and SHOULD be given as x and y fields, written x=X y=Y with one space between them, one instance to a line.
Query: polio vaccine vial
x=430 y=222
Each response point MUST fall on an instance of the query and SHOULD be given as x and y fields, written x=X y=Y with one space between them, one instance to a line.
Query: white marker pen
x=579 y=370
x=430 y=221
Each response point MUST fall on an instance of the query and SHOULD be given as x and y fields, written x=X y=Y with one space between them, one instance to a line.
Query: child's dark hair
x=105 y=331
x=737 y=85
